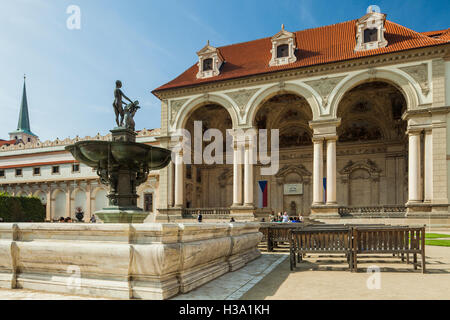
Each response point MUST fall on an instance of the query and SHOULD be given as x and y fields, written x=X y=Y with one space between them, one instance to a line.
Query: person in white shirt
x=285 y=217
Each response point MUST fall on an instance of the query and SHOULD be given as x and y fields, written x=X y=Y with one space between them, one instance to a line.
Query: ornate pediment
x=293 y=168
x=367 y=165
x=324 y=86
x=420 y=74
x=175 y=106
x=241 y=98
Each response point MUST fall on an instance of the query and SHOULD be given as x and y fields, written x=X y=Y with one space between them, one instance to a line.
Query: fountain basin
x=126 y=261
x=129 y=154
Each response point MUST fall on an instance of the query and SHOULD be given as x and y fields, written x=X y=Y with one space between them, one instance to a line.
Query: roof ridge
x=417 y=33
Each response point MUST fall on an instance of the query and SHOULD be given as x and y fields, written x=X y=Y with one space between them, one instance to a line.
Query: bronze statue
x=117 y=104
x=129 y=112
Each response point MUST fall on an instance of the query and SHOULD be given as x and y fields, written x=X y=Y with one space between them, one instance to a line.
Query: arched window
x=283 y=51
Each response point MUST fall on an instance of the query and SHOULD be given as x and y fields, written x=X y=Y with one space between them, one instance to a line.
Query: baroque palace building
x=362 y=111
x=29 y=167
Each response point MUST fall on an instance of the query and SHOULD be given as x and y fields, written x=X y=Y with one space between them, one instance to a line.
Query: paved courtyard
x=318 y=277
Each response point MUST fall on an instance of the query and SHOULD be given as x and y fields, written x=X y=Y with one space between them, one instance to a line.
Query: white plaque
x=293 y=188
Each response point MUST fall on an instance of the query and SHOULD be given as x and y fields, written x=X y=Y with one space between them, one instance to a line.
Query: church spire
x=23 y=131
x=24 y=119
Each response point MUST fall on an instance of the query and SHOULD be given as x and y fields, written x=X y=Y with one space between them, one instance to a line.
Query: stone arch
x=401 y=82
x=100 y=199
x=59 y=204
x=79 y=199
x=191 y=106
x=258 y=101
x=41 y=195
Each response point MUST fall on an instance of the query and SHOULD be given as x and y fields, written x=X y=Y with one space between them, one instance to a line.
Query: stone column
x=428 y=166
x=170 y=184
x=179 y=180
x=318 y=172
x=48 y=207
x=68 y=201
x=331 y=171
x=414 y=181
x=237 y=176
x=87 y=213
x=248 y=175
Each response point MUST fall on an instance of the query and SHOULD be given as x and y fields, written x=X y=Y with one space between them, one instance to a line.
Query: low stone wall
x=143 y=261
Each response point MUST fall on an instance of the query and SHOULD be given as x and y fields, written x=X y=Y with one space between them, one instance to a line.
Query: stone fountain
x=127 y=259
x=122 y=164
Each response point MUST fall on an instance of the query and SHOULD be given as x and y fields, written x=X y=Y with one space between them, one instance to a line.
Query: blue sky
x=144 y=43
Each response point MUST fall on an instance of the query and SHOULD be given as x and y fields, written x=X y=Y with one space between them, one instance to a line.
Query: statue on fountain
x=126 y=114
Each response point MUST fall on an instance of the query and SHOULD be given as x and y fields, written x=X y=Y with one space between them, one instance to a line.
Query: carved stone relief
x=324 y=87
x=420 y=74
x=241 y=98
x=175 y=106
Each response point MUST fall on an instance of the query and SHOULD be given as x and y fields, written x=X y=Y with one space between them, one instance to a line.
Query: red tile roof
x=435 y=33
x=315 y=46
x=7 y=142
x=445 y=35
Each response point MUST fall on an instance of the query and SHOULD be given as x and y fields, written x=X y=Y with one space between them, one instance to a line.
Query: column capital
x=318 y=139
x=414 y=131
x=331 y=138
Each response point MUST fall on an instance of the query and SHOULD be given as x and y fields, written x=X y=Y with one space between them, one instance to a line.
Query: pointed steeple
x=24 y=119
x=23 y=131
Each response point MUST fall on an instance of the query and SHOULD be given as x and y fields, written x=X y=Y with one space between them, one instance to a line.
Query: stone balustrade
x=143 y=261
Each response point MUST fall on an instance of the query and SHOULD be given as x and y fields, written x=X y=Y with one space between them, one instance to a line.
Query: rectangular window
x=370 y=35
x=18 y=172
x=2 y=173
x=55 y=169
x=148 y=202
x=283 y=51
x=36 y=171
x=207 y=64
x=75 y=167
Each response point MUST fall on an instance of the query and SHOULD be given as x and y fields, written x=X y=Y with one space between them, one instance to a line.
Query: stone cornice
x=438 y=51
x=425 y=112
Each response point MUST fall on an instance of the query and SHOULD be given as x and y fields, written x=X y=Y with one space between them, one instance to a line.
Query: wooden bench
x=389 y=240
x=320 y=240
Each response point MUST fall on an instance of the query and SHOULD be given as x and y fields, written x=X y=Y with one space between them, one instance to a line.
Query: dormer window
x=209 y=62
x=283 y=51
x=283 y=48
x=370 y=31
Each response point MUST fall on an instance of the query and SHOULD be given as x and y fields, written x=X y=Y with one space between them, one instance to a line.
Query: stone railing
x=206 y=211
x=68 y=141
x=373 y=210
x=143 y=261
